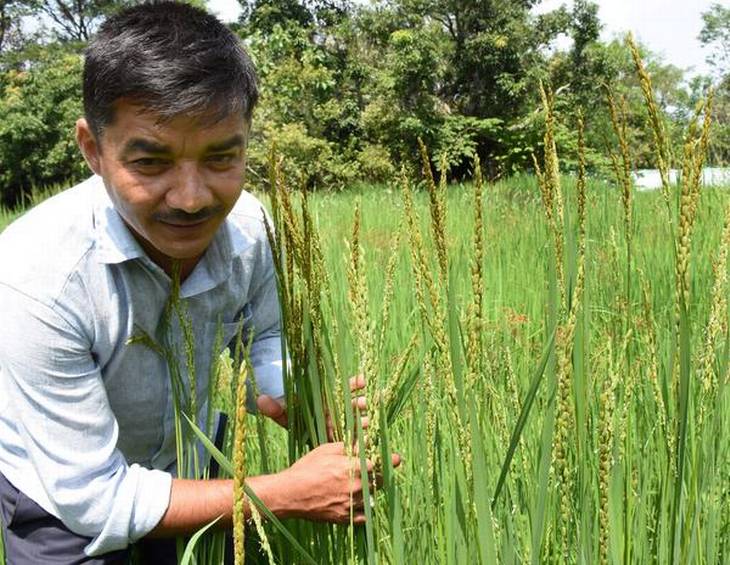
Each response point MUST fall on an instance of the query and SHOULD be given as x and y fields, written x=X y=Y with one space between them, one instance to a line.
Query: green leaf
x=485 y=530
x=188 y=557
x=524 y=413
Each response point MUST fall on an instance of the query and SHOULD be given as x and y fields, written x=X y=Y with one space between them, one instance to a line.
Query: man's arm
x=321 y=486
x=68 y=431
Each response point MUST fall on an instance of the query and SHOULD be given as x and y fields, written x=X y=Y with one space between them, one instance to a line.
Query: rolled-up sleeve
x=68 y=429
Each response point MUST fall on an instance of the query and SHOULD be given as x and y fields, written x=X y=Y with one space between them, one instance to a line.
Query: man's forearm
x=195 y=503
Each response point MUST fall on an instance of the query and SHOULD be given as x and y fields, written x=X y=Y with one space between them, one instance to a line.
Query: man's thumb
x=269 y=407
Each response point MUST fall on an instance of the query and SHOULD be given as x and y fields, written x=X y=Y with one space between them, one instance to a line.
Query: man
x=87 y=441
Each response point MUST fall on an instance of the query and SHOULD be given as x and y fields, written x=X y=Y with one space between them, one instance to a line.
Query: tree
x=39 y=106
x=475 y=86
x=715 y=35
x=76 y=20
x=72 y=20
x=11 y=31
x=263 y=15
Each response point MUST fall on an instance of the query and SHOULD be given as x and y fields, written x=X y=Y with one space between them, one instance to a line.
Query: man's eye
x=150 y=162
x=222 y=159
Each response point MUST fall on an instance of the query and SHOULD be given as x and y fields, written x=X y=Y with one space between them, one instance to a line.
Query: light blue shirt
x=86 y=420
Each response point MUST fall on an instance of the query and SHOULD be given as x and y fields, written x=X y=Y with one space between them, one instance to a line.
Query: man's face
x=173 y=182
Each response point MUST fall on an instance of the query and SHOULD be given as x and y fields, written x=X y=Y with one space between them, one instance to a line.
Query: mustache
x=176 y=216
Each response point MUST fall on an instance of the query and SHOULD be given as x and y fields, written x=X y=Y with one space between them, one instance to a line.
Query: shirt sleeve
x=265 y=323
x=69 y=430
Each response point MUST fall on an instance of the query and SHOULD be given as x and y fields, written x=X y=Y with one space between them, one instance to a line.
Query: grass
x=632 y=478
x=436 y=508
x=36 y=196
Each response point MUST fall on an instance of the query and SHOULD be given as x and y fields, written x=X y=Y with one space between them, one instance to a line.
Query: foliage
x=302 y=110
x=264 y=15
x=39 y=106
x=11 y=32
x=73 y=20
x=716 y=35
x=348 y=88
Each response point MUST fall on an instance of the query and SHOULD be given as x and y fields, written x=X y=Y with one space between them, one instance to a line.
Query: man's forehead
x=133 y=121
x=205 y=116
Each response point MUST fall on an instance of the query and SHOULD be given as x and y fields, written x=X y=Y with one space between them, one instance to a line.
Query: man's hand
x=276 y=408
x=272 y=408
x=322 y=485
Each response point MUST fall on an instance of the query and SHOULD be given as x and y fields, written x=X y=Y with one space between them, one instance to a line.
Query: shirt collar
x=115 y=244
x=113 y=240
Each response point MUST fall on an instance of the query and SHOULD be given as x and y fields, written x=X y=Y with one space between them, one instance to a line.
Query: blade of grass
x=188 y=557
x=485 y=529
x=524 y=414
x=372 y=555
x=684 y=383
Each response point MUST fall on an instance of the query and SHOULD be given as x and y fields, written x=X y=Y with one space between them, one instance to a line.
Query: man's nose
x=189 y=192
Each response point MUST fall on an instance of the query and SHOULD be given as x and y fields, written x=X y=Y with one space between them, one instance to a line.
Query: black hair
x=171 y=59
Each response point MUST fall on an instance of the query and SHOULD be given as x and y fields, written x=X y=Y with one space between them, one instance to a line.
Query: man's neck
x=165 y=262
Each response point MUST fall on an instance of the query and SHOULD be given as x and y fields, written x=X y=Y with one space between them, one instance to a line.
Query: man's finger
x=356 y=465
x=356 y=494
x=360 y=402
x=271 y=408
x=336 y=447
x=357 y=382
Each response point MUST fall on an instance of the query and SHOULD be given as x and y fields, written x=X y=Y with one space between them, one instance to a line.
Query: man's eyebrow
x=144 y=146
x=235 y=141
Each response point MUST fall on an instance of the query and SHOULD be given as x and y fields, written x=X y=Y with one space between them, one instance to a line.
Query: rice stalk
x=432 y=411
x=661 y=143
x=551 y=191
x=563 y=465
x=607 y=401
x=261 y=531
x=623 y=169
x=437 y=199
x=432 y=313
x=388 y=291
x=239 y=467
x=475 y=312
x=717 y=324
x=581 y=185
x=650 y=341
x=694 y=153
x=565 y=424
x=363 y=332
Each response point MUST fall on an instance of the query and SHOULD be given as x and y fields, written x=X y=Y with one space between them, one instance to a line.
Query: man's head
x=171 y=59
x=168 y=96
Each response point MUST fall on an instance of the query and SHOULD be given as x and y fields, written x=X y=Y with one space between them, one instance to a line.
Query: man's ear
x=89 y=145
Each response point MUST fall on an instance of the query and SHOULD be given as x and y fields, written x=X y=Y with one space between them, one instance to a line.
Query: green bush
x=309 y=162
x=39 y=106
x=375 y=163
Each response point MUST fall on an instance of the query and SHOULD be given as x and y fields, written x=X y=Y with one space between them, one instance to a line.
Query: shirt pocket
x=223 y=335
x=229 y=330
